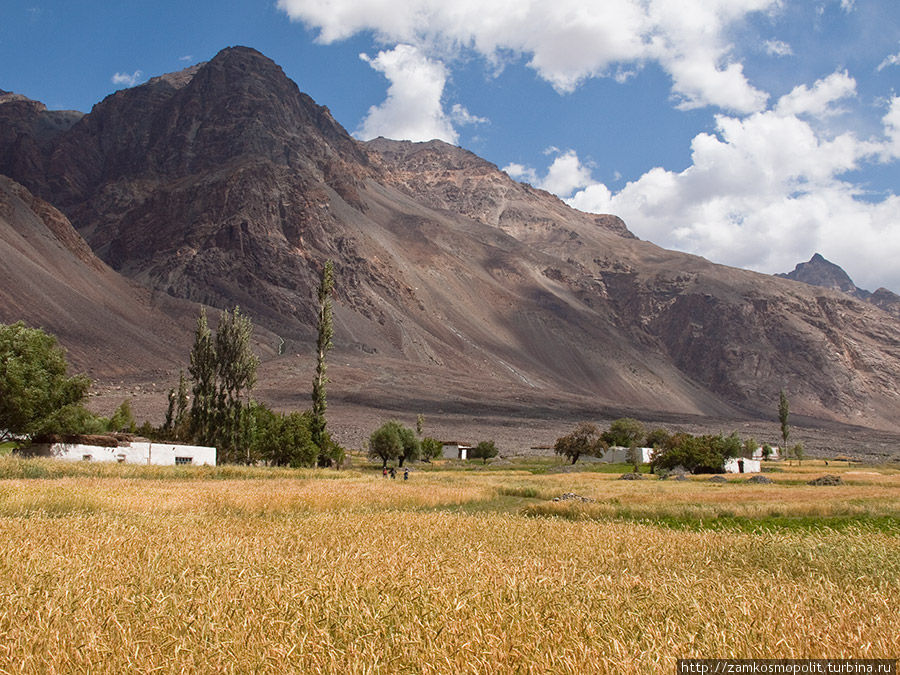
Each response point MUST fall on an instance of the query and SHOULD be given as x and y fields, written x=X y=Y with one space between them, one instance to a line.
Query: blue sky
x=752 y=132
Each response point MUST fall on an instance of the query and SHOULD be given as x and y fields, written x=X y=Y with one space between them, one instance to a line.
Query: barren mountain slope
x=224 y=184
x=50 y=278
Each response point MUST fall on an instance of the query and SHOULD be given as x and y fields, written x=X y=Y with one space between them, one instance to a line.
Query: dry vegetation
x=177 y=571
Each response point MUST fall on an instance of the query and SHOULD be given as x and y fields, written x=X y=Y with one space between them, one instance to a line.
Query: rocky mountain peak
x=821 y=272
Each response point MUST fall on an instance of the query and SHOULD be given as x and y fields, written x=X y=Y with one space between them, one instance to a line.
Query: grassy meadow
x=112 y=568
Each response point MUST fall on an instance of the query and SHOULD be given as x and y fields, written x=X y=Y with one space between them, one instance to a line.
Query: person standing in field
x=405 y=474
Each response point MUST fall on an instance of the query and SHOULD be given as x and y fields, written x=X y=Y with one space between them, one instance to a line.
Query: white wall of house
x=162 y=454
x=455 y=450
x=742 y=465
x=619 y=455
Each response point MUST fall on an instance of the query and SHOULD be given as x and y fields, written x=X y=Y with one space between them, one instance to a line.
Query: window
x=86 y=458
x=184 y=460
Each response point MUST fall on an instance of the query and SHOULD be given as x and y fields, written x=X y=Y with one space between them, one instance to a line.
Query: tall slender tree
x=236 y=366
x=203 y=373
x=323 y=344
x=783 y=412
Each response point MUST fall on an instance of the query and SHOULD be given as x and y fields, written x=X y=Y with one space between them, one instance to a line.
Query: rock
x=718 y=479
x=571 y=496
x=760 y=479
x=827 y=479
x=631 y=476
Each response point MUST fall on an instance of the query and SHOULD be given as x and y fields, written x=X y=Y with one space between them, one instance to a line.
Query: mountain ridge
x=226 y=185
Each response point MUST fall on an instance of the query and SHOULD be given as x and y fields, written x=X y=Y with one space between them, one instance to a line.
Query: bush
x=484 y=451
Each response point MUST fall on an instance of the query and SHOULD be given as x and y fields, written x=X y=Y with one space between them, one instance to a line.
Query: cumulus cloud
x=764 y=191
x=820 y=99
x=126 y=80
x=412 y=110
x=565 y=175
x=566 y=41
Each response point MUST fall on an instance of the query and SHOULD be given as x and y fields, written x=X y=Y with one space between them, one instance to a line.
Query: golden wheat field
x=466 y=571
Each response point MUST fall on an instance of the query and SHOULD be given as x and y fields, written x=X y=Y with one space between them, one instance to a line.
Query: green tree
x=420 y=423
x=123 y=418
x=698 y=454
x=393 y=441
x=236 y=366
x=657 y=438
x=750 y=447
x=783 y=412
x=430 y=449
x=484 y=451
x=586 y=439
x=635 y=458
x=624 y=432
x=324 y=343
x=203 y=374
x=385 y=442
x=36 y=394
x=797 y=453
x=284 y=440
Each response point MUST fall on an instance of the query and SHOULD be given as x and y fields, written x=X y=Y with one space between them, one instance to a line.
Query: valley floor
x=116 y=568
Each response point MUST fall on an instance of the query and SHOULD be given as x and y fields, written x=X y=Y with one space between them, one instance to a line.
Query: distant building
x=618 y=454
x=129 y=452
x=455 y=450
x=742 y=465
x=775 y=454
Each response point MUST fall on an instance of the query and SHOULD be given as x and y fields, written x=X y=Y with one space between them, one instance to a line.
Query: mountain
x=456 y=286
x=824 y=273
x=51 y=278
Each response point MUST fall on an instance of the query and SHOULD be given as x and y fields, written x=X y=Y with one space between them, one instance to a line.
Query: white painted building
x=135 y=452
x=742 y=465
x=618 y=454
x=455 y=450
x=775 y=454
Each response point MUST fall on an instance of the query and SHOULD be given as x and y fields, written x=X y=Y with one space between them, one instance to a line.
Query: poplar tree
x=325 y=328
x=203 y=373
x=236 y=366
x=783 y=411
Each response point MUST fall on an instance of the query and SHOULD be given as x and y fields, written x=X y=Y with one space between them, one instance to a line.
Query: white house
x=455 y=450
x=742 y=465
x=134 y=452
x=775 y=454
x=618 y=454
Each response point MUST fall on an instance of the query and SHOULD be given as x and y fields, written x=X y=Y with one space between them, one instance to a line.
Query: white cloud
x=565 y=174
x=765 y=192
x=412 y=110
x=521 y=173
x=124 y=79
x=778 y=48
x=460 y=115
x=818 y=101
x=566 y=41
x=892 y=60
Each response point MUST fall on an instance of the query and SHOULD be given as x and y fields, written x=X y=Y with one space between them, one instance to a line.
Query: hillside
x=225 y=184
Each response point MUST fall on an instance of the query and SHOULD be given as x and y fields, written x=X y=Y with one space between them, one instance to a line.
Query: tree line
x=697 y=454
x=212 y=406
